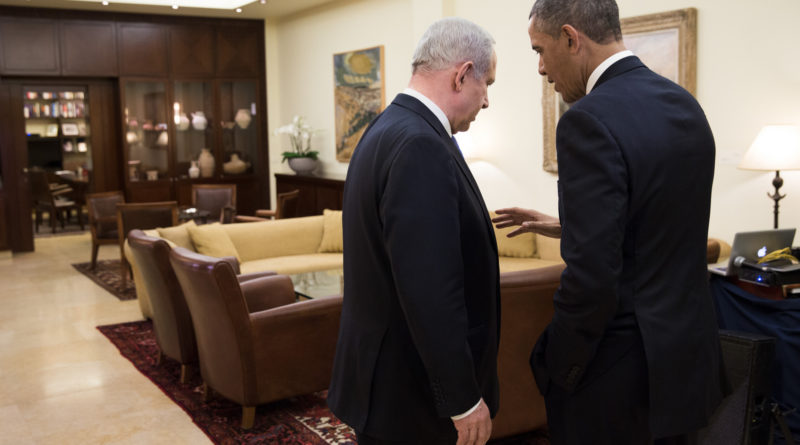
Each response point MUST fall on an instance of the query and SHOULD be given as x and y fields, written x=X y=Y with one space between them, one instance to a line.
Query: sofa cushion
x=281 y=237
x=212 y=240
x=510 y=264
x=520 y=246
x=331 y=232
x=294 y=264
x=179 y=235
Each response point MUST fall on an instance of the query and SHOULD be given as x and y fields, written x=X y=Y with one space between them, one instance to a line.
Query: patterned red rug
x=107 y=275
x=303 y=420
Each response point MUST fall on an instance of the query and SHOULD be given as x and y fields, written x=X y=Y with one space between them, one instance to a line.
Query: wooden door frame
x=13 y=148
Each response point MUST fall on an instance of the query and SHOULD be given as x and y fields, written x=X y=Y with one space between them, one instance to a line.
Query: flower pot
x=303 y=166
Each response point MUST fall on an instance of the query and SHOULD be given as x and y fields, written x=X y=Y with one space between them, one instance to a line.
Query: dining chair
x=102 y=209
x=213 y=198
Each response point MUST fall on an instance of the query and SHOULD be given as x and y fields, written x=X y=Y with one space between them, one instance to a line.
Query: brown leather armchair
x=172 y=321
x=214 y=198
x=526 y=309
x=102 y=208
x=255 y=343
x=142 y=215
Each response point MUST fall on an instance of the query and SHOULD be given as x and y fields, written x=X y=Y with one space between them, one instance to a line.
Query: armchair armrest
x=246 y=218
x=233 y=262
x=268 y=292
x=265 y=213
x=251 y=276
x=532 y=279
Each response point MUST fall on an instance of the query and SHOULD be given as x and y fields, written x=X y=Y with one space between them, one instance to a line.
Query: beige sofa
x=312 y=243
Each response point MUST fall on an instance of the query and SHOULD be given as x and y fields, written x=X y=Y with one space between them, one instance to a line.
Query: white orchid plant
x=300 y=137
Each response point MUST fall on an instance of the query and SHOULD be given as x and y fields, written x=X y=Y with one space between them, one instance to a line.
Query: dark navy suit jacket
x=636 y=164
x=420 y=319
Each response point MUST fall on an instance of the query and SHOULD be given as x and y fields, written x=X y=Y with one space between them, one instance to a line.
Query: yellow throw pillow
x=520 y=246
x=178 y=235
x=331 y=232
x=212 y=240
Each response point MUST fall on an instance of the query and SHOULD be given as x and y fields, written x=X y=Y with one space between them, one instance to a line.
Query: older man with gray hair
x=416 y=359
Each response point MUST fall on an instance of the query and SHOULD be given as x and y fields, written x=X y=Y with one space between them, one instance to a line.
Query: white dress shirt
x=595 y=76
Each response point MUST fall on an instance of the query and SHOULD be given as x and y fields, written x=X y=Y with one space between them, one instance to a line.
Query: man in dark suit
x=416 y=359
x=632 y=354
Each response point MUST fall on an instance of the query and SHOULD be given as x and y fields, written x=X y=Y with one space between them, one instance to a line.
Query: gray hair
x=598 y=19
x=451 y=41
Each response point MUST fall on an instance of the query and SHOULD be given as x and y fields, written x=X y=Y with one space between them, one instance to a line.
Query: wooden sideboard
x=316 y=192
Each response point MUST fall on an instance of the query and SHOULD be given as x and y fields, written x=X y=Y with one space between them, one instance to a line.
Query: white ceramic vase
x=183 y=122
x=194 y=170
x=206 y=163
x=199 y=121
x=303 y=166
x=243 y=118
x=234 y=166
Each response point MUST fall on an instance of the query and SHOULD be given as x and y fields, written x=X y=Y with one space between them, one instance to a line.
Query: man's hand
x=528 y=221
x=476 y=428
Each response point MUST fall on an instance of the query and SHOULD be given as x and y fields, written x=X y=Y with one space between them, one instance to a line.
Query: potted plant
x=302 y=159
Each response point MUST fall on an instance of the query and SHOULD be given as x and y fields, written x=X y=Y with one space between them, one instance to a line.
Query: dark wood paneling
x=29 y=47
x=88 y=49
x=106 y=140
x=192 y=50
x=317 y=193
x=142 y=50
x=13 y=149
x=3 y=222
x=240 y=51
x=150 y=191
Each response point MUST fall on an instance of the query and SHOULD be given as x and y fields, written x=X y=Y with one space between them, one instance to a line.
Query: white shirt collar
x=595 y=76
x=431 y=106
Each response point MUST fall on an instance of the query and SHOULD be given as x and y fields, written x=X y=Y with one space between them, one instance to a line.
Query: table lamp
x=777 y=147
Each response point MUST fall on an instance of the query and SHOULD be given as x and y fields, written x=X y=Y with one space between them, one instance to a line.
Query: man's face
x=476 y=97
x=557 y=63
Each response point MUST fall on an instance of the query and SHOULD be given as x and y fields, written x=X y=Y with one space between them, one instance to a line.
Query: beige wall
x=747 y=77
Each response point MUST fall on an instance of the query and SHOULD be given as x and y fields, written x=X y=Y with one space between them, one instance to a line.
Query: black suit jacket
x=636 y=164
x=420 y=319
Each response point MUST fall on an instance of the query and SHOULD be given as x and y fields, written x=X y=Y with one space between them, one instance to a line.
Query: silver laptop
x=750 y=246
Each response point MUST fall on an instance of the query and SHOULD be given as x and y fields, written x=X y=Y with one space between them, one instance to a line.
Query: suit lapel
x=418 y=107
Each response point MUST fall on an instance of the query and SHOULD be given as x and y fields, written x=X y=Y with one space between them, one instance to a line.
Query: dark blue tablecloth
x=739 y=310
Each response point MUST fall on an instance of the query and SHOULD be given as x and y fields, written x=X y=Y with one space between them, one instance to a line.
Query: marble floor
x=61 y=381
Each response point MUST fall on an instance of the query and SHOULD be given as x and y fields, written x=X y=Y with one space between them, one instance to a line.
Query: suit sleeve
x=593 y=201
x=420 y=214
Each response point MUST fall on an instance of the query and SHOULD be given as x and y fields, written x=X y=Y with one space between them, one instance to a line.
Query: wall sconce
x=777 y=147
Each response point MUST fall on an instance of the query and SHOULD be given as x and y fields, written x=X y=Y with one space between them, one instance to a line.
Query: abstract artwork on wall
x=666 y=42
x=358 y=96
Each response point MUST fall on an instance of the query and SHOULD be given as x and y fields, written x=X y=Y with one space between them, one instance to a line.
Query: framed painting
x=359 y=95
x=666 y=42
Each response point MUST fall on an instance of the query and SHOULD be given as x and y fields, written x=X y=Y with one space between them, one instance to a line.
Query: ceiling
x=273 y=9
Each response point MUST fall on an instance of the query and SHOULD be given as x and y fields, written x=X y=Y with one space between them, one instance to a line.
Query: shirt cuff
x=465 y=414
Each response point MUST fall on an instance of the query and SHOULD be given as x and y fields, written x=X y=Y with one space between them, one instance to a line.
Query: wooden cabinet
x=239 y=51
x=191 y=51
x=142 y=49
x=88 y=48
x=317 y=193
x=29 y=47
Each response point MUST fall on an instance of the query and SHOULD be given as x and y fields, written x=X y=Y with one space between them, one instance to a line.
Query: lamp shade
x=777 y=147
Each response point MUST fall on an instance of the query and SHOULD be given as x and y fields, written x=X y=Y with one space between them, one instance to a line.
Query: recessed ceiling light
x=263 y=2
x=238 y=10
x=174 y=6
x=105 y=3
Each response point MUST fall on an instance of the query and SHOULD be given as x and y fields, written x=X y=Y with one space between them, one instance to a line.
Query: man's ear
x=461 y=73
x=572 y=38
